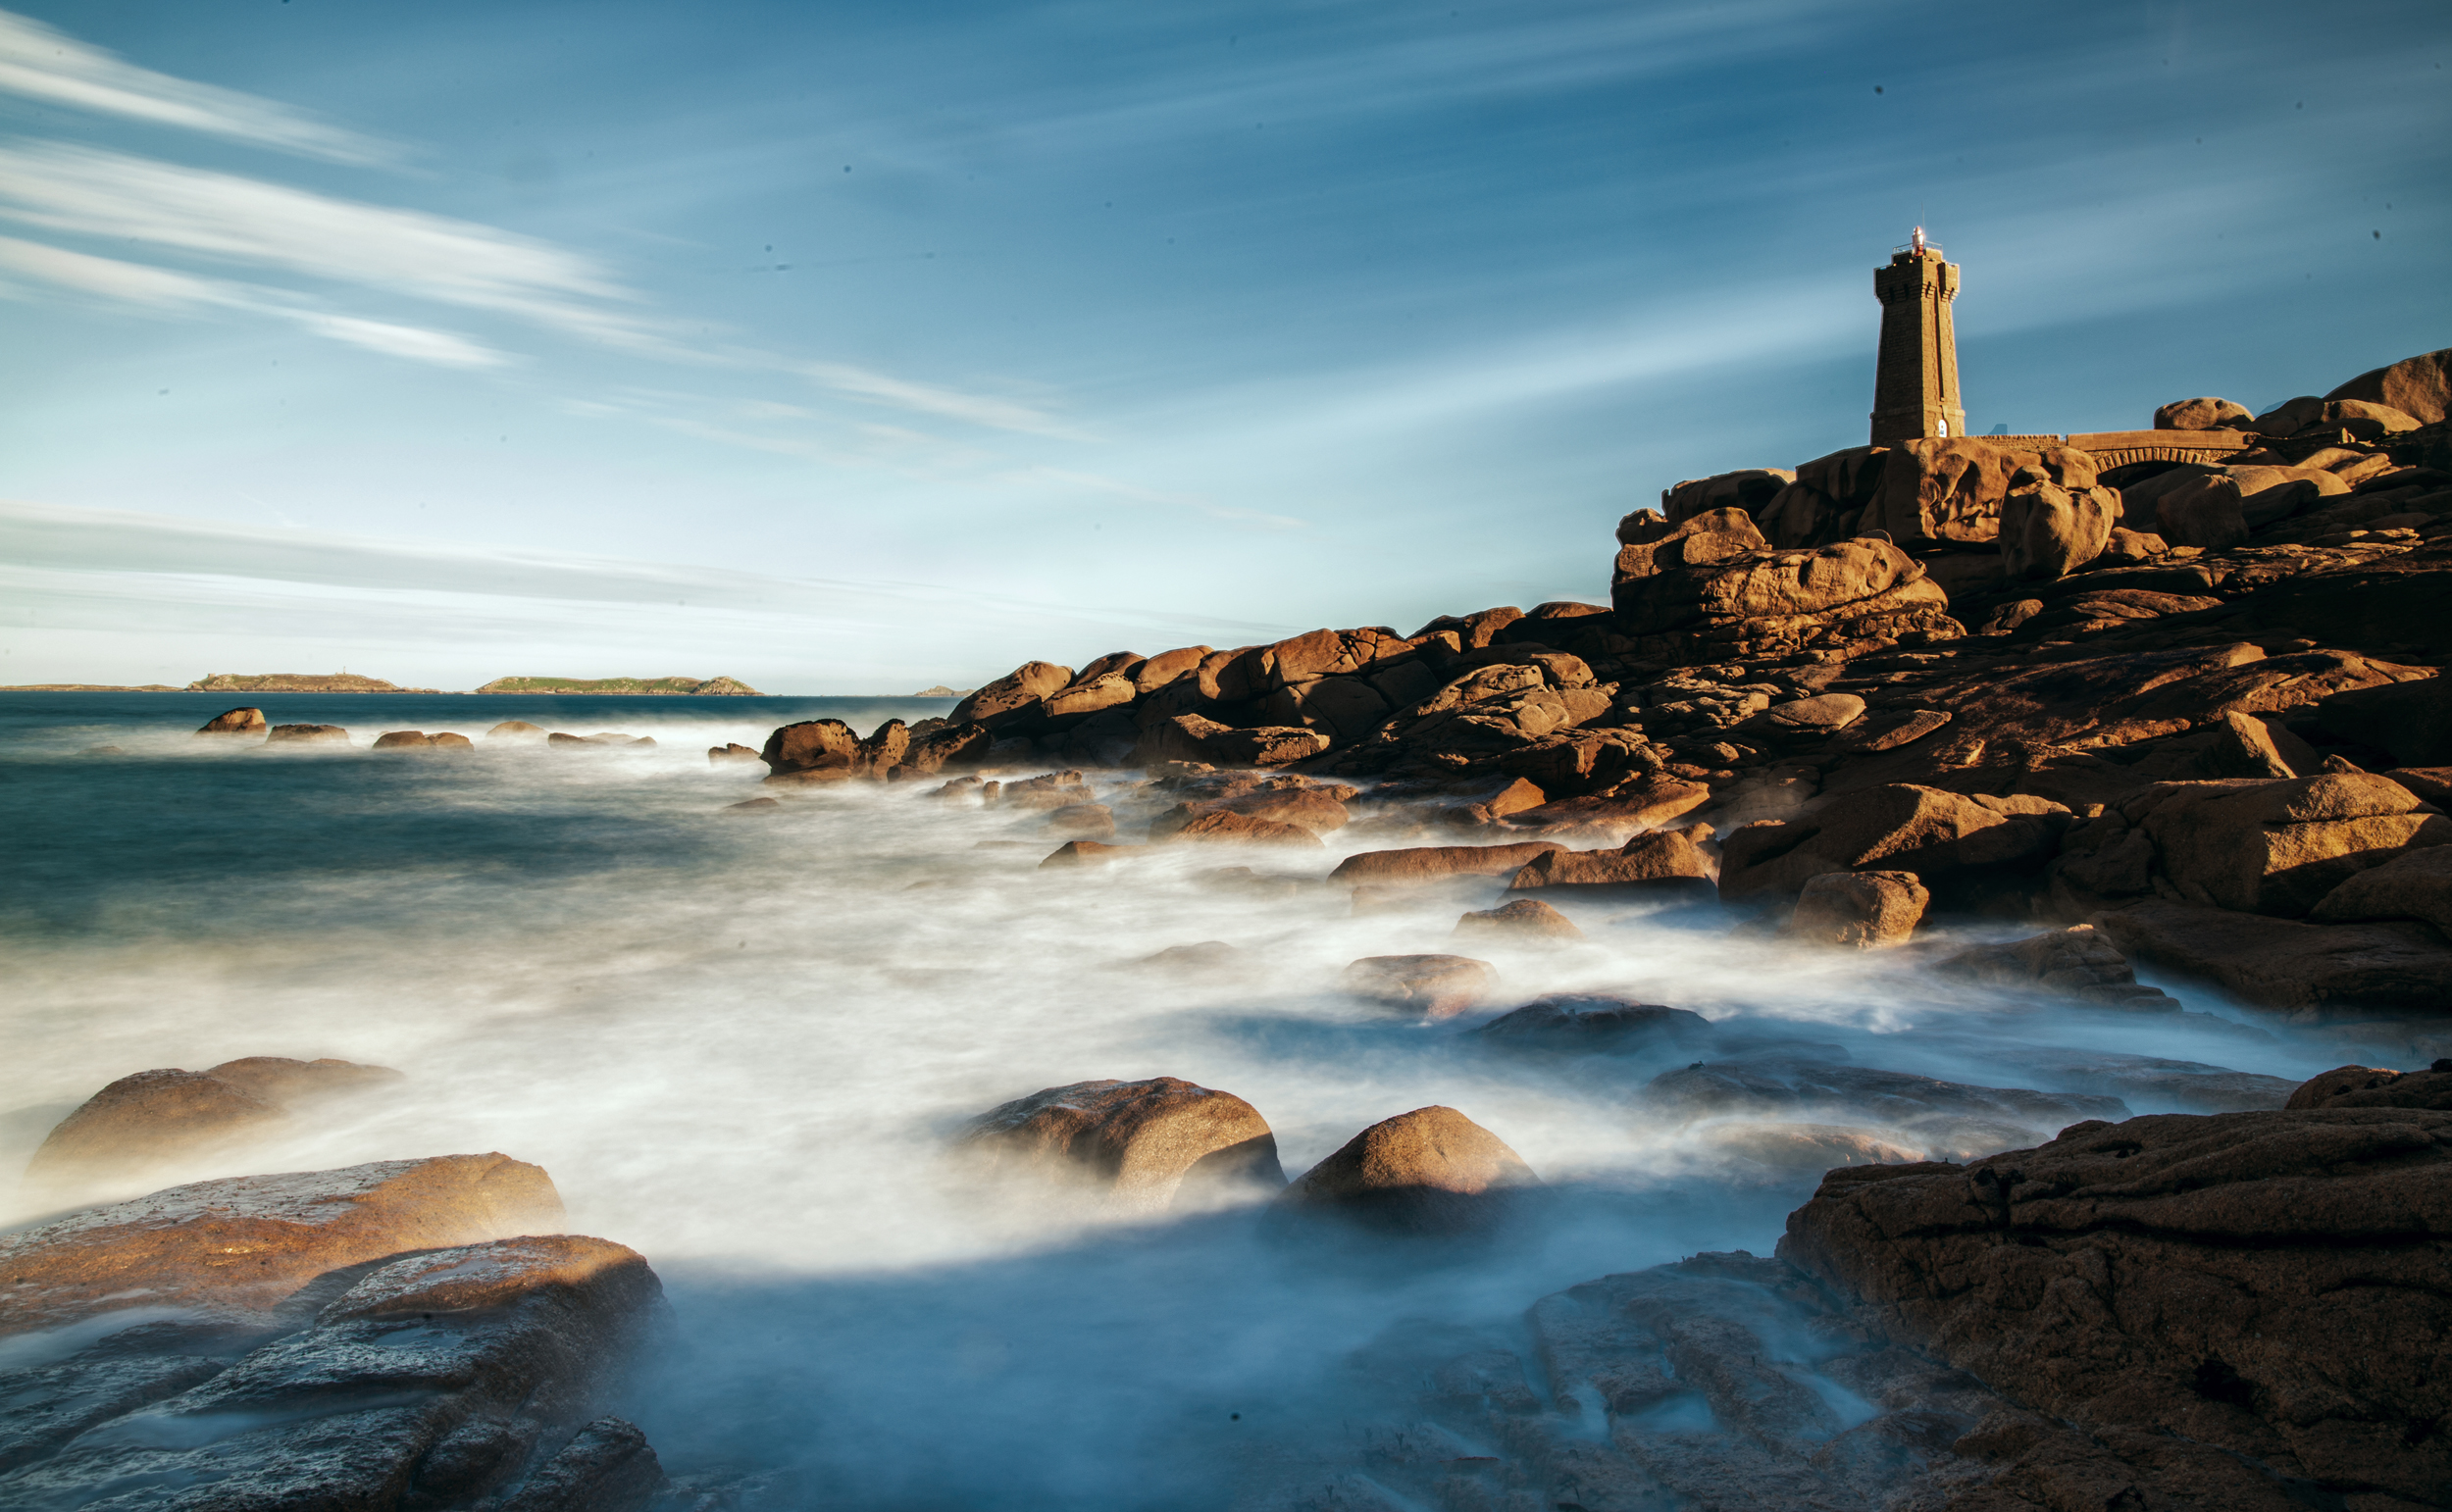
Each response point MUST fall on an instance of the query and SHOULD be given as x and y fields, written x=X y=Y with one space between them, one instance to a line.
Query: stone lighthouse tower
x=1916 y=388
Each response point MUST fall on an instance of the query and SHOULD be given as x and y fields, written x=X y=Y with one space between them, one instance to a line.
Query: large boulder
x=1418 y=865
x=1144 y=1143
x=1859 y=910
x=2420 y=386
x=2414 y=885
x=235 y=722
x=1949 y=491
x=2277 y=847
x=170 y=1250
x=2049 y=532
x=2247 y=1284
x=2201 y=415
x=1779 y=584
x=1013 y=704
x=1660 y=861
x=812 y=751
x=1962 y=848
x=2328 y=969
x=1748 y=490
x=463 y=1375
x=2412 y=720
x=1827 y=501
x=1432 y=1174
x=158 y=1121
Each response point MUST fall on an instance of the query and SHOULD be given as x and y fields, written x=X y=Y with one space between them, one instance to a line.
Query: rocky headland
x=2168 y=698
x=690 y=687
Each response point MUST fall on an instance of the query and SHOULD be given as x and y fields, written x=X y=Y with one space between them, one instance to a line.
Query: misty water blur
x=740 y=1040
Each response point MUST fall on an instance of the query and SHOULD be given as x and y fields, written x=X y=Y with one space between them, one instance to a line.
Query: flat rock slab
x=242 y=1247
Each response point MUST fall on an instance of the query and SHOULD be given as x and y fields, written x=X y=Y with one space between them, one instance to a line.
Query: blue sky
x=848 y=349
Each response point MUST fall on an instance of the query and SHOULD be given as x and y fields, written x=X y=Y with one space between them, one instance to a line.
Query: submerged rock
x=1572 y=1023
x=307 y=734
x=169 y=1117
x=1145 y=1143
x=1525 y=921
x=1953 y=1118
x=2077 y=962
x=1436 y=986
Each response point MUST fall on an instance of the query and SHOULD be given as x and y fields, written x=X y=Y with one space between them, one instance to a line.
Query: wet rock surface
x=404 y=1334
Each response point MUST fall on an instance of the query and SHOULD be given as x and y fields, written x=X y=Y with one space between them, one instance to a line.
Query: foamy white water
x=740 y=1042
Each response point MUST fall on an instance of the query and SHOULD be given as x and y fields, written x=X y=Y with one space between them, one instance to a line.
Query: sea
x=742 y=1042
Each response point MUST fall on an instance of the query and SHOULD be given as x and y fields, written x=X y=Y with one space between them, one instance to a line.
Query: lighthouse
x=1916 y=383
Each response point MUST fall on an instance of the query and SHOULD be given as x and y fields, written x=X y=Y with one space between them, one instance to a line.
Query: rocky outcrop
x=1429 y=1174
x=1957 y=847
x=1144 y=1144
x=2177 y=1291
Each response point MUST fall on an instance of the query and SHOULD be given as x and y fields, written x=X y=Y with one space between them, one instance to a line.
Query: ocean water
x=740 y=1043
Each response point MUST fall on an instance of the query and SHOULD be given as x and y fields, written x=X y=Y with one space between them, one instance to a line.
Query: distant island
x=90 y=688
x=296 y=682
x=942 y=691
x=671 y=686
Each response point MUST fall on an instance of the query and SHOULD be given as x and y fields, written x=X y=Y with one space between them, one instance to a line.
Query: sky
x=849 y=349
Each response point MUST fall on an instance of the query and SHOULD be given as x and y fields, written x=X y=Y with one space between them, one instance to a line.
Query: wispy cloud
x=166 y=289
x=41 y=63
x=392 y=253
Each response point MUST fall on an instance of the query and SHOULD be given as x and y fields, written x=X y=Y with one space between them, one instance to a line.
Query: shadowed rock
x=1572 y=1023
x=2175 y=1280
